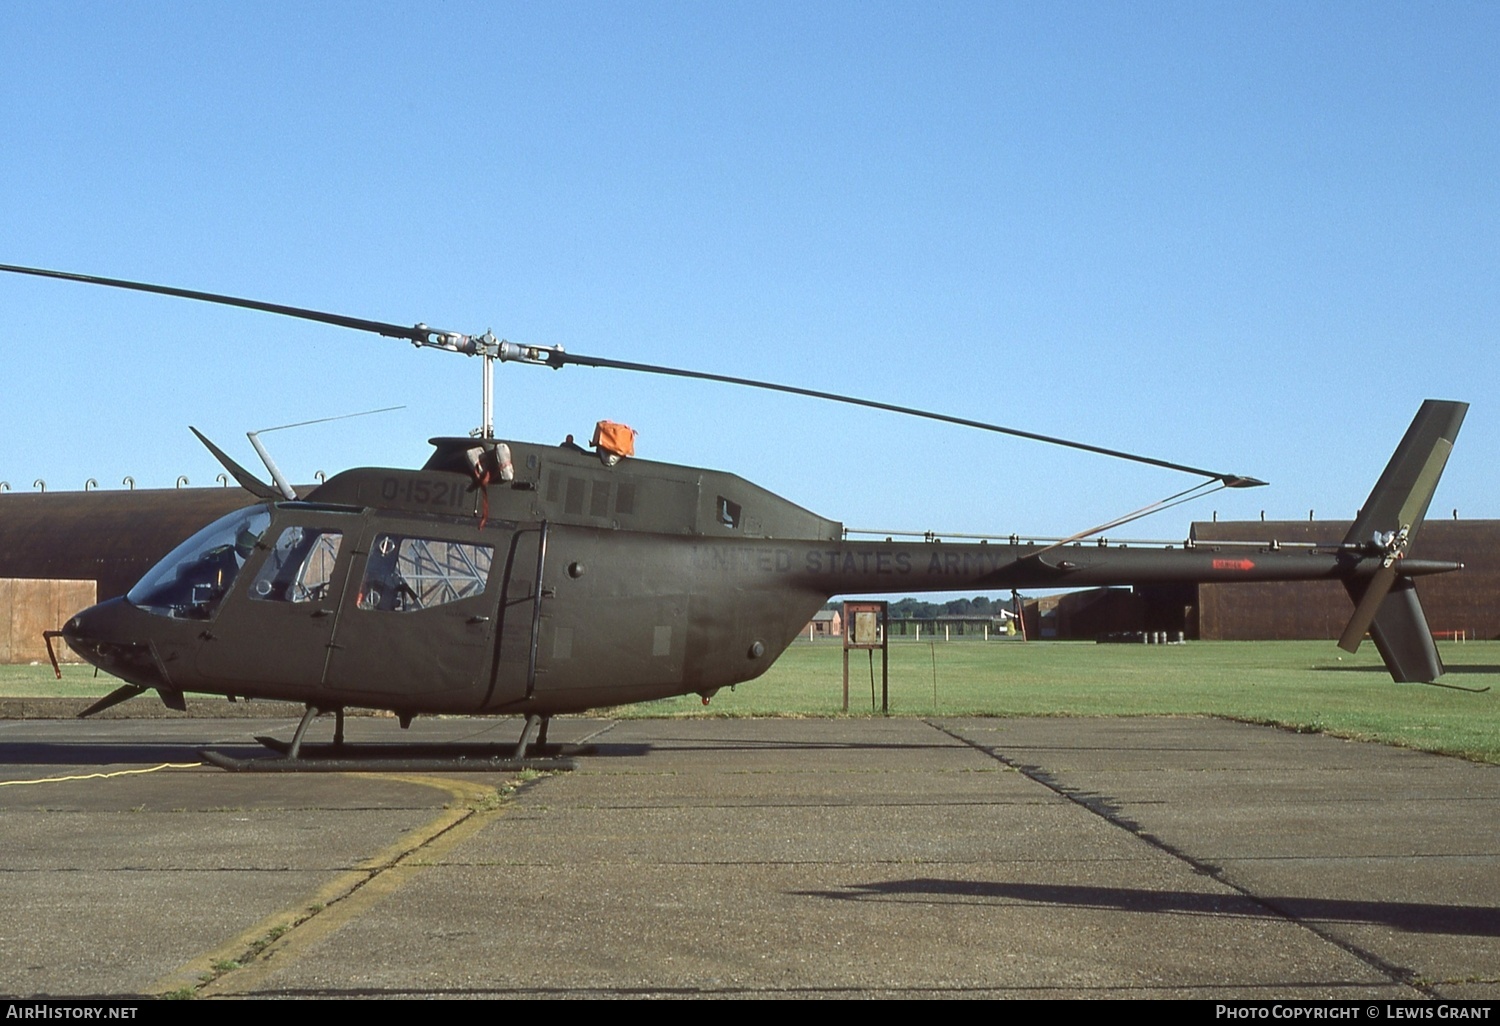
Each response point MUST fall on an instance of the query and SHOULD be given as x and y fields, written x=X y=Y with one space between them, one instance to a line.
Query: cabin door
x=418 y=614
x=274 y=625
x=525 y=640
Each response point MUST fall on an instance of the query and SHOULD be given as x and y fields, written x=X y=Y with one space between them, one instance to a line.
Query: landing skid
x=339 y=757
x=457 y=750
x=388 y=759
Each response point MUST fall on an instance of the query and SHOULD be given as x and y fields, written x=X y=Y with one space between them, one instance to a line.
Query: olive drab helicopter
x=511 y=578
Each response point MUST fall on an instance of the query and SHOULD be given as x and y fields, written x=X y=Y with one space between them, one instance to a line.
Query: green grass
x=37 y=681
x=1305 y=685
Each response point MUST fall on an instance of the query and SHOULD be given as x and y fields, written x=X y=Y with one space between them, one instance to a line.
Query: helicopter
x=506 y=577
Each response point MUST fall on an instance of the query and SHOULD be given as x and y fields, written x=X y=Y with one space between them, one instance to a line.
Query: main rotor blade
x=423 y=335
x=559 y=358
x=409 y=333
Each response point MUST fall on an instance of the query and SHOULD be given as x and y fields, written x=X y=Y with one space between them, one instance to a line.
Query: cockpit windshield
x=191 y=581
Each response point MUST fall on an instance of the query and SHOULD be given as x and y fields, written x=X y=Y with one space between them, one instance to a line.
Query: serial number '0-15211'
x=447 y=494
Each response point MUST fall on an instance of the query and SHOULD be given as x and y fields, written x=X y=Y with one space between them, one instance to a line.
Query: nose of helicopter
x=111 y=636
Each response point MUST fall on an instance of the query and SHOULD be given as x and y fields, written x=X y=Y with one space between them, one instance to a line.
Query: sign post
x=865 y=627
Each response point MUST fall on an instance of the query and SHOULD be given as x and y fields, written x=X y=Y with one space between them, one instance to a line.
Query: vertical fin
x=1404 y=491
x=1386 y=604
x=1402 y=636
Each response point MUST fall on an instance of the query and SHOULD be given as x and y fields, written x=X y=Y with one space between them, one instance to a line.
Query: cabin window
x=408 y=575
x=299 y=567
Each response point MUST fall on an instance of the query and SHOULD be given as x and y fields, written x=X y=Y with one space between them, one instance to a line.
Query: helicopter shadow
x=1408 y=917
x=93 y=754
x=83 y=753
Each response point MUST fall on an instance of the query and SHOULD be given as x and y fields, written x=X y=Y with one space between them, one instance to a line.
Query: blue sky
x=1251 y=237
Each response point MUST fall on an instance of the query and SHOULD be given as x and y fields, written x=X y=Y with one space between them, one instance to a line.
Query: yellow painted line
x=280 y=938
x=102 y=776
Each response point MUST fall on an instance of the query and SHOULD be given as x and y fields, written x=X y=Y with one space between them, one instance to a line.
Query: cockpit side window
x=299 y=567
x=192 y=579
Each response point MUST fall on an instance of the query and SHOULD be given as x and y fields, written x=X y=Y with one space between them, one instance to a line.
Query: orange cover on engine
x=614 y=438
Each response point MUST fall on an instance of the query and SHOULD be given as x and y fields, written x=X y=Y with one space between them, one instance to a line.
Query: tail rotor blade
x=1369 y=605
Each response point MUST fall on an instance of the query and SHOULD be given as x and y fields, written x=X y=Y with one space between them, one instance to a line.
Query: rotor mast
x=490 y=349
x=487 y=399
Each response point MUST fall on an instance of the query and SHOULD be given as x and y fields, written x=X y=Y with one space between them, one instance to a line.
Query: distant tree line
x=916 y=609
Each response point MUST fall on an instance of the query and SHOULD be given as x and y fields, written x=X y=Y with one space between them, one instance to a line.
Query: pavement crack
x=1111 y=810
